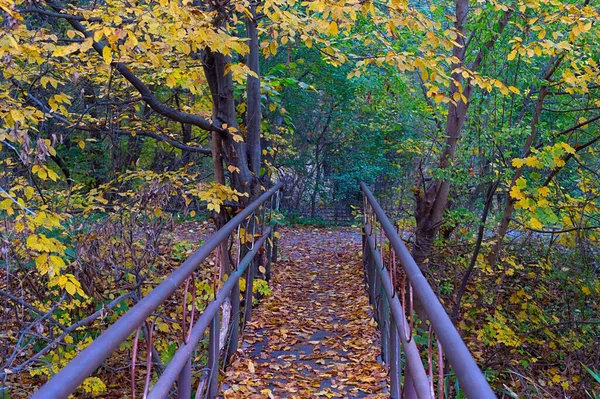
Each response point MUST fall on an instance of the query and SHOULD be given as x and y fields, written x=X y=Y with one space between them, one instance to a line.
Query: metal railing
x=382 y=246
x=254 y=236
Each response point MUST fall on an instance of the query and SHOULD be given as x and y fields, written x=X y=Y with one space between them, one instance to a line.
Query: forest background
x=475 y=122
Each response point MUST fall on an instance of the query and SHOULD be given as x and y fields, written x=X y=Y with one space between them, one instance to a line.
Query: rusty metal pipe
x=471 y=380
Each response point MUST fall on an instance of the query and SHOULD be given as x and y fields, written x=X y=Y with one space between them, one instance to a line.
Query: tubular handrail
x=413 y=358
x=471 y=380
x=181 y=356
x=75 y=372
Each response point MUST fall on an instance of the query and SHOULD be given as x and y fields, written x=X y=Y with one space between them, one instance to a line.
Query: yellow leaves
x=107 y=55
x=333 y=28
x=69 y=283
x=6 y=205
x=65 y=50
x=518 y=163
x=516 y=193
x=47 y=79
x=568 y=149
x=162 y=326
x=267 y=393
x=41 y=263
x=586 y=290
x=44 y=173
x=171 y=82
x=543 y=191
x=535 y=223
x=41 y=243
x=215 y=195
x=93 y=386
x=49 y=264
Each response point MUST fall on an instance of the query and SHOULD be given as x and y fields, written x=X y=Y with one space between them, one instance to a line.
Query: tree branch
x=120 y=132
x=562 y=231
x=146 y=93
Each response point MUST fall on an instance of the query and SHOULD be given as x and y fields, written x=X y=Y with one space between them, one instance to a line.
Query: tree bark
x=253 y=111
x=431 y=202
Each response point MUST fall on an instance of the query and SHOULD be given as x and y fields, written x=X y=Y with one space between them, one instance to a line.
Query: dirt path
x=314 y=336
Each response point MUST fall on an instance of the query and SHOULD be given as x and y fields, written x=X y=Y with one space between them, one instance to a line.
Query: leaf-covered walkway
x=314 y=336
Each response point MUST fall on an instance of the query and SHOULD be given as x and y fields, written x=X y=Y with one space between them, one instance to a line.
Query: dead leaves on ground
x=314 y=336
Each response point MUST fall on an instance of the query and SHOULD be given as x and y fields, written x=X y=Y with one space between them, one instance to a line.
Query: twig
x=68 y=330
x=29 y=211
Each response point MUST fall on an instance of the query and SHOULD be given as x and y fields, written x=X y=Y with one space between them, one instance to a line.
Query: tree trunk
x=509 y=206
x=431 y=201
x=253 y=111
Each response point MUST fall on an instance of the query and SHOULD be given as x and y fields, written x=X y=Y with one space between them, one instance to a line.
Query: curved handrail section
x=83 y=365
x=378 y=226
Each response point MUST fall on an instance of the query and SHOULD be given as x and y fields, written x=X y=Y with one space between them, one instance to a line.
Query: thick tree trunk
x=224 y=116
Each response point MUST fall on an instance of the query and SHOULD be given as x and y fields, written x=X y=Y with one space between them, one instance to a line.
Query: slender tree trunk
x=431 y=201
x=313 y=197
x=253 y=113
x=509 y=206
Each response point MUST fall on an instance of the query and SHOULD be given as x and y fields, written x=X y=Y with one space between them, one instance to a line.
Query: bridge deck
x=314 y=336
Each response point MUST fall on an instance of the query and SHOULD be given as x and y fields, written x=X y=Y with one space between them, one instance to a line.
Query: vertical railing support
x=394 y=361
x=410 y=391
x=213 y=357
x=248 y=296
x=384 y=325
x=234 y=333
x=269 y=255
x=275 y=245
x=184 y=382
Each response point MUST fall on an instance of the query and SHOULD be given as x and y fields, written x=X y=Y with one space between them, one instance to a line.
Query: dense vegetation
x=477 y=124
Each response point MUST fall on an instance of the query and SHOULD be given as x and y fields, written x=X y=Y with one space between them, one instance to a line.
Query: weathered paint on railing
x=381 y=281
x=179 y=369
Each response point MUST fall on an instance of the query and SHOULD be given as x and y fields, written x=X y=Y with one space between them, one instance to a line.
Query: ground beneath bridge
x=314 y=336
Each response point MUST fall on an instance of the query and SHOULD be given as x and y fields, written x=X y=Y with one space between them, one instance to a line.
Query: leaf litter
x=314 y=336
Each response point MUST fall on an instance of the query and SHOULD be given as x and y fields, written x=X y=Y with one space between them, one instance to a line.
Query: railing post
x=376 y=290
x=184 y=382
x=213 y=357
x=409 y=385
x=394 y=363
x=269 y=254
x=275 y=245
x=384 y=325
x=370 y=273
x=234 y=333
x=248 y=296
